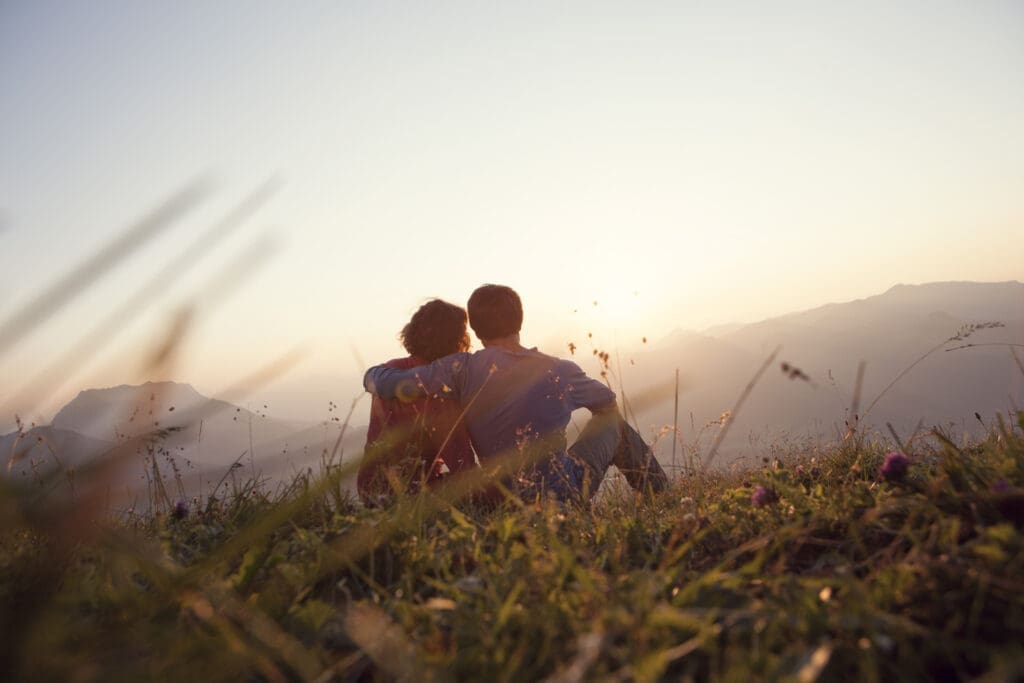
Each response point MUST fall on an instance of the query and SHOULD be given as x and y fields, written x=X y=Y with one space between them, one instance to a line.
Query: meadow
x=870 y=558
x=865 y=560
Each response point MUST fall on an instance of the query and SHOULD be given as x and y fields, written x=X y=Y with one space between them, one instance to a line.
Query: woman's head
x=437 y=329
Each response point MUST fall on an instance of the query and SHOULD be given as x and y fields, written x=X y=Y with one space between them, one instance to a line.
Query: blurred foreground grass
x=829 y=571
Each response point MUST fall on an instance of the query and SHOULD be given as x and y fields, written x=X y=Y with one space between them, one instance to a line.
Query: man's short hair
x=495 y=311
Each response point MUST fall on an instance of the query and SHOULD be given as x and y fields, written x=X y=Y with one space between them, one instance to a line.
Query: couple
x=509 y=404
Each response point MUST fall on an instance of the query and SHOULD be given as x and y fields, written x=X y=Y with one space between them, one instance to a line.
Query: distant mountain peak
x=160 y=385
x=92 y=411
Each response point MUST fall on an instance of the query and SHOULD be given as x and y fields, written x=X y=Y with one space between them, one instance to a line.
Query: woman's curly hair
x=437 y=329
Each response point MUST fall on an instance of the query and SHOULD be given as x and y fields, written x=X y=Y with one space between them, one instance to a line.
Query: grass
x=841 y=575
x=812 y=566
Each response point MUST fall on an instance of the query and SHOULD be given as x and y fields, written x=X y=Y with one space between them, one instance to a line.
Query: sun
x=618 y=314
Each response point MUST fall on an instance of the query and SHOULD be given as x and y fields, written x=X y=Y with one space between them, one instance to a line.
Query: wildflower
x=180 y=510
x=689 y=524
x=1002 y=486
x=895 y=466
x=763 y=496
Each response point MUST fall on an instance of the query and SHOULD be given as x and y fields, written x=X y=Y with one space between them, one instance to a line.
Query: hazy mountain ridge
x=126 y=410
x=888 y=332
x=199 y=437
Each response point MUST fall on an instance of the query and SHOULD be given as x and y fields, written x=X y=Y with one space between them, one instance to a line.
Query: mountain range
x=887 y=333
x=204 y=439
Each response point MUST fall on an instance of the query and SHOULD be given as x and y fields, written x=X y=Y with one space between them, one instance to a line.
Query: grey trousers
x=609 y=440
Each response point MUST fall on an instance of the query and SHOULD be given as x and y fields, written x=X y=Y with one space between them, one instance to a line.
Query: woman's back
x=408 y=444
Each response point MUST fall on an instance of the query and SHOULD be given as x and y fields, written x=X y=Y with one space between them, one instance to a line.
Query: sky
x=681 y=164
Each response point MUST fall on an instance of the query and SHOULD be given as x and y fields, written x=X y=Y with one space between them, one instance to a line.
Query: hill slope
x=888 y=332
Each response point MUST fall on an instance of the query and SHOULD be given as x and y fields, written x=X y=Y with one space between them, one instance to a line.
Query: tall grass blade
x=64 y=290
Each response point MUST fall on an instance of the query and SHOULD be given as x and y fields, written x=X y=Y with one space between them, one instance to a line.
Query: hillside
x=835 y=560
x=832 y=565
x=887 y=332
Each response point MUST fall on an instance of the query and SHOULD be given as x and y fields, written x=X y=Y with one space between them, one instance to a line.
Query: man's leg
x=609 y=440
x=636 y=461
x=595 y=448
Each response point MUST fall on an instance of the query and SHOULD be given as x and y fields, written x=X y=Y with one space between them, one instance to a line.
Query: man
x=517 y=403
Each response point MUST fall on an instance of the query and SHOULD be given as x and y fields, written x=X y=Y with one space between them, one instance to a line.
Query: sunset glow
x=683 y=166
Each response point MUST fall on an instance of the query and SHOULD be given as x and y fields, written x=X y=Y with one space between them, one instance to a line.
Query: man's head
x=495 y=311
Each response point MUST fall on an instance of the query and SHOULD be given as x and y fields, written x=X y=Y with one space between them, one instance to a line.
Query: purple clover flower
x=180 y=510
x=895 y=466
x=763 y=496
x=1002 y=486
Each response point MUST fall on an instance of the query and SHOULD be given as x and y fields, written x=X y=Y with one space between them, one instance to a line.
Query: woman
x=409 y=444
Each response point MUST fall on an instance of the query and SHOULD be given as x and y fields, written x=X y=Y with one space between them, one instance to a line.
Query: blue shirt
x=508 y=396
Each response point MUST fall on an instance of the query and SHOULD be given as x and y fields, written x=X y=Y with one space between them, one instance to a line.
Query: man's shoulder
x=567 y=366
x=548 y=365
x=501 y=356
